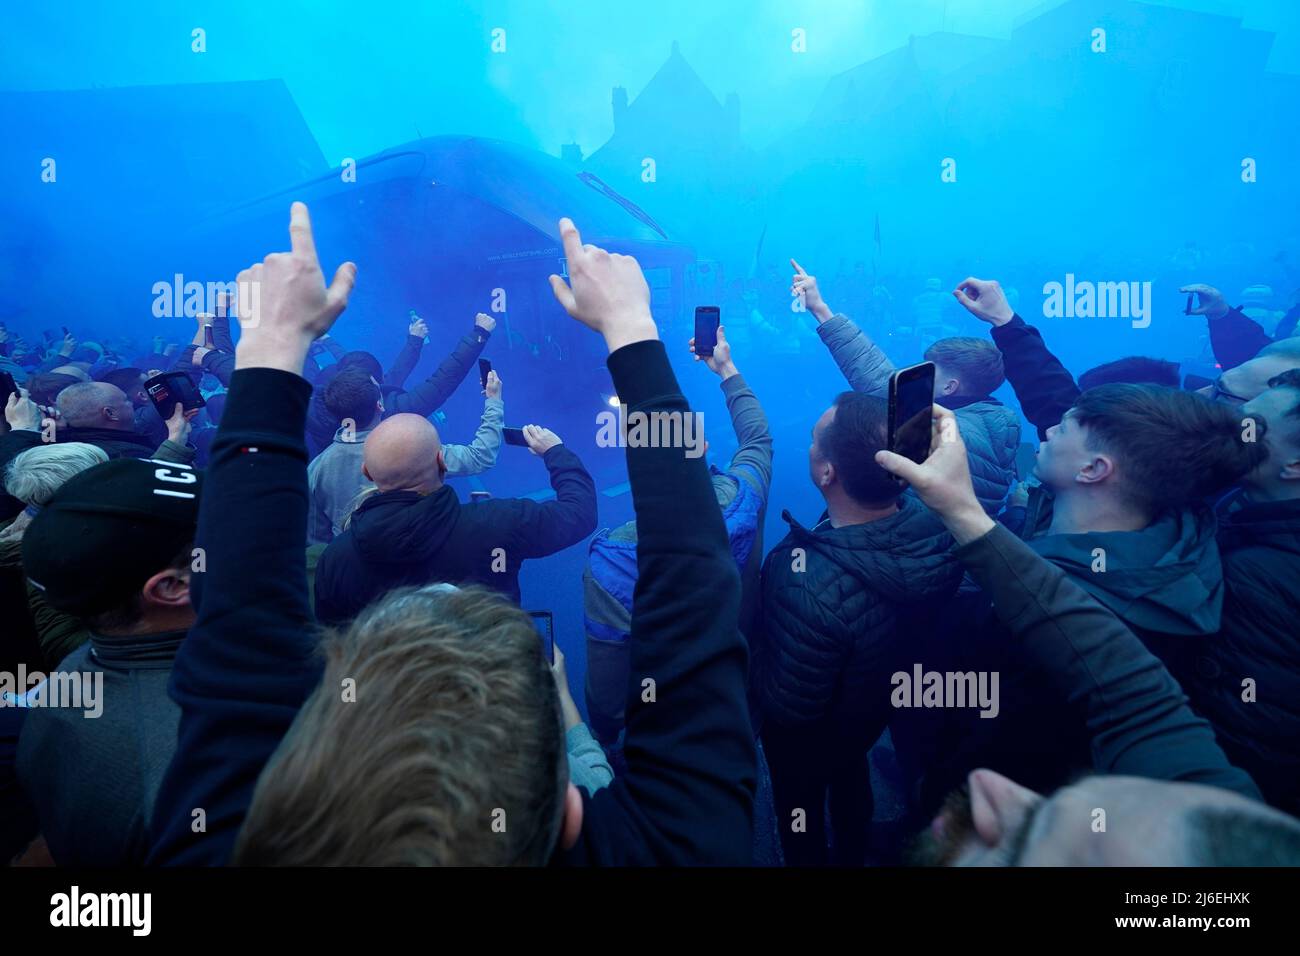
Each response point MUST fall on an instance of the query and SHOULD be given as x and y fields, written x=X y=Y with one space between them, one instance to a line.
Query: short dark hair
x=351 y=394
x=1135 y=369
x=127 y=379
x=1175 y=447
x=45 y=388
x=363 y=360
x=859 y=429
x=977 y=363
x=131 y=608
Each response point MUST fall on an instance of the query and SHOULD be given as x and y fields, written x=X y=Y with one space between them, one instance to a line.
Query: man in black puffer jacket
x=841 y=606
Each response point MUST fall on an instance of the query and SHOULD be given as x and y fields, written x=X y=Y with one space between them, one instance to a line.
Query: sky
x=369 y=76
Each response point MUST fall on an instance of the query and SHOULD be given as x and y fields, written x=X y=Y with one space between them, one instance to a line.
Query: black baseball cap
x=108 y=530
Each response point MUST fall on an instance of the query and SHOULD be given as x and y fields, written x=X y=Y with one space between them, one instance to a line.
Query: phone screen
x=484 y=366
x=514 y=436
x=706 y=329
x=167 y=389
x=544 y=621
x=207 y=337
x=911 y=395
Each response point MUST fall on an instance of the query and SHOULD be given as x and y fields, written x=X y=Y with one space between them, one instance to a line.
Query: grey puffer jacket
x=990 y=430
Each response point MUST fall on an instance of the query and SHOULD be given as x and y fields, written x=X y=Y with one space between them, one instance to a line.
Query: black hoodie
x=402 y=538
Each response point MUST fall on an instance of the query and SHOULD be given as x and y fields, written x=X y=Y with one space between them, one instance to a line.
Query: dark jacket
x=250 y=660
x=990 y=430
x=1259 y=640
x=1043 y=386
x=423 y=400
x=1164 y=582
x=402 y=538
x=1133 y=714
x=832 y=603
x=115 y=443
x=93 y=780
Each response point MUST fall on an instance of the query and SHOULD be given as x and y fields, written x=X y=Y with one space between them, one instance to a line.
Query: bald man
x=414 y=530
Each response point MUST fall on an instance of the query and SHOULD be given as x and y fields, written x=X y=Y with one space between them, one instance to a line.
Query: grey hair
x=35 y=475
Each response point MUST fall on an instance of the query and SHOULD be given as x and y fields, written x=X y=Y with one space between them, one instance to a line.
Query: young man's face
x=1063 y=454
x=1099 y=821
x=1282 y=438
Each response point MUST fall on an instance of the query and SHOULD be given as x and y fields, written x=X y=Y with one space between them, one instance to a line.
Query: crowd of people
x=272 y=632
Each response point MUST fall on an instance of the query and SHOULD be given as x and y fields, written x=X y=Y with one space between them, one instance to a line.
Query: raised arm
x=753 y=457
x=407 y=358
x=687 y=796
x=429 y=396
x=866 y=367
x=1043 y=386
x=1136 y=715
x=249 y=661
x=480 y=454
x=1234 y=336
x=544 y=527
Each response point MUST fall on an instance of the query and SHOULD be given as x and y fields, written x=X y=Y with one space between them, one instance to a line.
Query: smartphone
x=480 y=495
x=65 y=330
x=167 y=388
x=707 y=318
x=544 y=621
x=7 y=387
x=911 y=395
x=484 y=366
x=514 y=436
x=1188 y=309
x=208 y=342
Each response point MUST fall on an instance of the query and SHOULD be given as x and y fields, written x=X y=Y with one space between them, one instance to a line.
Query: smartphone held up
x=911 y=398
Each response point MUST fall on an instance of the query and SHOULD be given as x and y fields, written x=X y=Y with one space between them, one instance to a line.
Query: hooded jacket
x=1165 y=582
x=400 y=538
x=833 y=599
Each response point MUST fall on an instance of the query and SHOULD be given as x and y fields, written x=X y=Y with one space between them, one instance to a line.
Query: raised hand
x=720 y=361
x=22 y=413
x=942 y=481
x=1212 y=303
x=803 y=283
x=984 y=299
x=493 y=389
x=180 y=423
x=540 y=440
x=485 y=322
x=606 y=291
x=289 y=306
x=419 y=328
